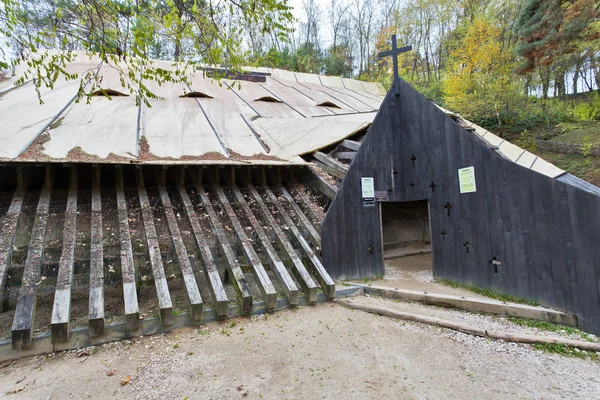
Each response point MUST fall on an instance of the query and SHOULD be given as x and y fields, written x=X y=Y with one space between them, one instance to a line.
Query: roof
x=268 y=116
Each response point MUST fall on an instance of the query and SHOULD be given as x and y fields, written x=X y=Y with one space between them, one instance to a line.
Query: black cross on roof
x=394 y=53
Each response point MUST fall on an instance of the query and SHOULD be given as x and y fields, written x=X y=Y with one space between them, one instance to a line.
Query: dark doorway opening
x=406 y=236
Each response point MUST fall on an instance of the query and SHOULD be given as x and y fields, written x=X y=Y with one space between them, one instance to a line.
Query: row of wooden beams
x=331 y=163
x=158 y=270
x=61 y=310
x=308 y=285
x=191 y=286
x=22 y=328
x=321 y=184
x=314 y=263
x=264 y=282
x=220 y=301
x=314 y=212
x=236 y=275
x=329 y=170
x=311 y=232
x=96 y=306
x=128 y=272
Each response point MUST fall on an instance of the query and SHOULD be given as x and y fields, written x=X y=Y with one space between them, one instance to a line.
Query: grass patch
x=488 y=292
x=550 y=327
x=375 y=278
x=568 y=351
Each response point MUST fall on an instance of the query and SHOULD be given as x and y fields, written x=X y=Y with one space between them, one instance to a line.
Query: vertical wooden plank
x=264 y=283
x=308 y=285
x=22 y=328
x=128 y=272
x=220 y=301
x=314 y=263
x=238 y=279
x=285 y=280
x=96 y=307
x=61 y=310
x=310 y=230
x=158 y=270
x=191 y=287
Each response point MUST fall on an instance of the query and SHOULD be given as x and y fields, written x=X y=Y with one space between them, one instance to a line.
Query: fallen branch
x=508 y=337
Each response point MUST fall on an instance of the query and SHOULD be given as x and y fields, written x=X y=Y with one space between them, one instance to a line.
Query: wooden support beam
x=311 y=232
x=129 y=274
x=96 y=309
x=264 y=283
x=331 y=162
x=61 y=310
x=191 y=286
x=158 y=270
x=315 y=265
x=331 y=171
x=8 y=232
x=308 y=285
x=220 y=301
x=344 y=155
x=351 y=144
x=238 y=279
x=314 y=211
x=285 y=280
x=321 y=184
x=22 y=328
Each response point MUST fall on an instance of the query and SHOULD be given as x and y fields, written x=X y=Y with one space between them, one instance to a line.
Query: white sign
x=368 y=187
x=466 y=180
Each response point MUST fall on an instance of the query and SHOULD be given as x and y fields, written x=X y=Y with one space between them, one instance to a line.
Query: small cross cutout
x=448 y=206
x=413 y=158
x=371 y=248
x=412 y=185
x=432 y=186
x=496 y=263
x=444 y=234
x=467 y=245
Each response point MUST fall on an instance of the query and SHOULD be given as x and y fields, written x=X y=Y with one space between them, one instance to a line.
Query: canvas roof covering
x=203 y=122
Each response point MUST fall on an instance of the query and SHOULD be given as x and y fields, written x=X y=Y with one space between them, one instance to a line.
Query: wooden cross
x=413 y=158
x=412 y=185
x=496 y=263
x=444 y=234
x=394 y=53
x=467 y=245
x=448 y=206
x=432 y=186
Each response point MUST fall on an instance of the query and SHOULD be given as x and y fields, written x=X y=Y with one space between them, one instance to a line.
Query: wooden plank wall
x=544 y=232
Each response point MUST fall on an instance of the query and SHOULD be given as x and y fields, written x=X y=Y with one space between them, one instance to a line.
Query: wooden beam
x=331 y=171
x=264 y=283
x=96 y=308
x=313 y=235
x=22 y=328
x=331 y=162
x=235 y=272
x=321 y=184
x=158 y=270
x=315 y=265
x=285 y=280
x=61 y=310
x=308 y=285
x=344 y=155
x=8 y=232
x=191 y=286
x=128 y=272
x=351 y=144
x=220 y=301
x=314 y=211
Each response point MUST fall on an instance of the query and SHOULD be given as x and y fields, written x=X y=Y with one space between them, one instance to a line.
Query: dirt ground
x=325 y=351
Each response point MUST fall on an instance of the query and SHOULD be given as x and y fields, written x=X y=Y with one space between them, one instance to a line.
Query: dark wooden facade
x=544 y=232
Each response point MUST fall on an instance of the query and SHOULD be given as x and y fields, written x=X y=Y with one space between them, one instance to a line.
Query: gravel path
x=325 y=351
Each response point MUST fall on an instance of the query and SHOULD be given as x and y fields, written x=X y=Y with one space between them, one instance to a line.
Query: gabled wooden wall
x=545 y=233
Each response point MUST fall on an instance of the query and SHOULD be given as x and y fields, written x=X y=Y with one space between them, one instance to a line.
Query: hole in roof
x=109 y=92
x=328 y=104
x=269 y=99
x=196 y=95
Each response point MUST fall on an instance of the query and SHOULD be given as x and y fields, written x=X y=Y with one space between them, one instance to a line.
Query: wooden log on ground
x=327 y=284
x=313 y=235
x=264 y=283
x=351 y=144
x=308 y=285
x=331 y=162
x=8 y=230
x=128 y=272
x=22 y=328
x=61 y=310
x=321 y=184
x=285 y=280
x=191 y=287
x=344 y=155
x=220 y=301
x=472 y=330
x=238 y=279
x=158 y=270
x=96 y=307
x=314 y=211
